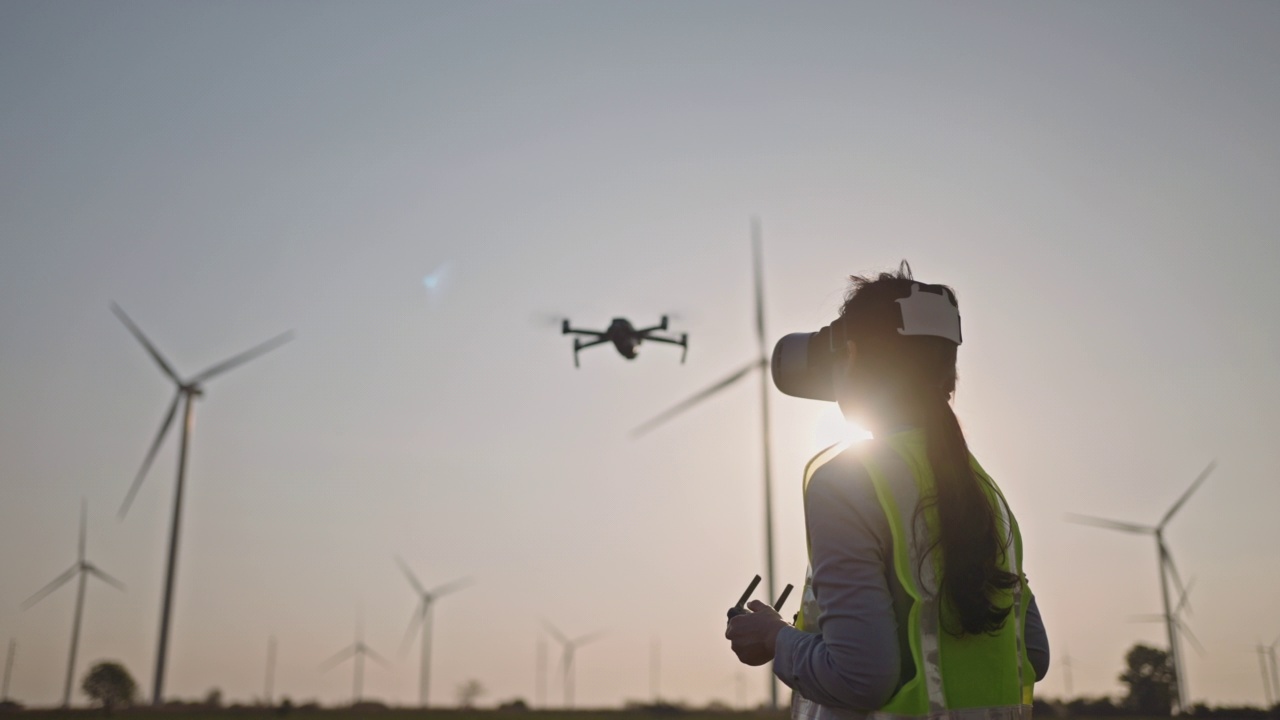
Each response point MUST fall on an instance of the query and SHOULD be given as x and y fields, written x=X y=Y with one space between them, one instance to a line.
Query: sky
x=1096 y=180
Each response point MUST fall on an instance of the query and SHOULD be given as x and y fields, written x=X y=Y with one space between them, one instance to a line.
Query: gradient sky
x=1097 y=180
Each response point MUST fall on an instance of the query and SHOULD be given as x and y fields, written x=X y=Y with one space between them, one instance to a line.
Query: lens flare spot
x=831 y=427
x=435 y=281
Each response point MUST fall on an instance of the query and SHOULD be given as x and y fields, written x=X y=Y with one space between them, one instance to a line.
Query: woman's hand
x=753 y=635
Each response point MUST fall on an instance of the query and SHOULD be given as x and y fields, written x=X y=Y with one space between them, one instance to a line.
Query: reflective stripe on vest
x=899 y=472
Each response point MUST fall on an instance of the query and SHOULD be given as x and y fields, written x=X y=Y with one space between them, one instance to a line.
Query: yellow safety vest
x=975 y=677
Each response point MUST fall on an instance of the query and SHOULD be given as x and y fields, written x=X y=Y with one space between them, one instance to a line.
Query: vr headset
x=804 y=364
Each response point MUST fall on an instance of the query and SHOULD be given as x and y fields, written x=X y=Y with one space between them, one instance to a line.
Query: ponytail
x=969 y=532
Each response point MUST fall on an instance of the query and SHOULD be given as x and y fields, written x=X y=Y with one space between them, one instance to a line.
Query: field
x=250 y=713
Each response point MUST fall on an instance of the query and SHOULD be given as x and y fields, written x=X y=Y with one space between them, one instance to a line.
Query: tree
x=109 y=685
x=1150 y=680
x=469 y=692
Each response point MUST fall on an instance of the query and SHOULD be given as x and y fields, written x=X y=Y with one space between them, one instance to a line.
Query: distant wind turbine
x=269 y=684
x=1275 y=667
x=8 y=669
x=82 y=569
x=655 y=666
x=1167 y=567
x=1066 y=674
x=422 y=618
x=1270 y=676
x=760 y=363
x=1266 y=676
x=540 y=672
x=187 y=390
x=566 y=663
x=357 y=650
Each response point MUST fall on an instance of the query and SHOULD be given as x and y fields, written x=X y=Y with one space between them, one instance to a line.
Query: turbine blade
x=84 y=523
x=1191 y=636
x=1109 y=524
x=418 y=612
x=105 y=578
x=413 y=580
x=1185 y=601
x=151 y=454
x=244 y=357
x=1153 y=617
x=450 y=587
x=137 y=333
x=588 y=638
x=1204 y=475
x=555 y=632
x=337 y=659
x=1173 y=569
x=699 y=397
x=758 y=269
x=376 y=657
x=57 y=583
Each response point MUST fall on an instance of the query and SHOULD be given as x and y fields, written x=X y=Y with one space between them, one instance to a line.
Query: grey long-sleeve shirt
x=861 y=655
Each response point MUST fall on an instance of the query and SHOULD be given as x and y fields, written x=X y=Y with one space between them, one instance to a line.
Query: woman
x=915 y=604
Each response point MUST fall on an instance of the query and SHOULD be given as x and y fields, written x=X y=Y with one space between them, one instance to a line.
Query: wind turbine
x=761 y=363
x=422 y=617
x=570 y=646
x=83 y=569
x=187 y=390
x=1275 y=668
x=1266 y=677
x=269 y=684
x=1066 y=675
x=540 y=672
x=1271 y=678
x=357 y=650
x=655 y=667
x=1167 y=567
x=8 y=669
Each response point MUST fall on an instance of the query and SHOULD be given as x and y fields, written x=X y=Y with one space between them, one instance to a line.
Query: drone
x=625 y=337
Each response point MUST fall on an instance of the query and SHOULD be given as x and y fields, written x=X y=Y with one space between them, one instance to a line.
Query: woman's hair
x=911 y=379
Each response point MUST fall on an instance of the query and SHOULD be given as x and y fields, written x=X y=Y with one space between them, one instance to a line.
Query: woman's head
x=892 y=378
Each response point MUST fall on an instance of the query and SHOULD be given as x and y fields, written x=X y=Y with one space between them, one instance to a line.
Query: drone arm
x=566 y=330
x=579 y=345
x=669 y=341
x=660 y=326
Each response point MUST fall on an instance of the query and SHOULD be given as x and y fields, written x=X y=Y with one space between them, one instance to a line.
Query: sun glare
x=832 y=427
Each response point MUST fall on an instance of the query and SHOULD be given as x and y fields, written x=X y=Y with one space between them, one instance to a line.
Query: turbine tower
x=1069 y=691
x=761 y=363
x=1266 y=676
x=1270 y=675
x=1275 y=668
x=540 y=673
x=566 y=661
x=422 y=618
x=186 y=391
x=81 y=569
x=1166 y=565
x=357 y=650
x=269 y=683
x=8 y=670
